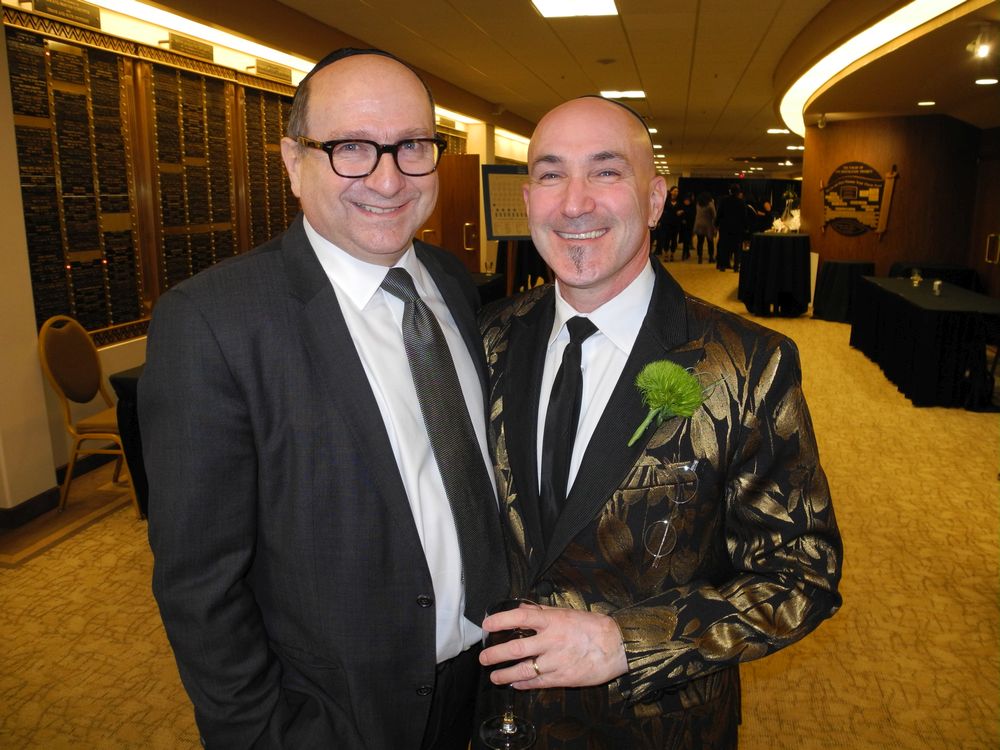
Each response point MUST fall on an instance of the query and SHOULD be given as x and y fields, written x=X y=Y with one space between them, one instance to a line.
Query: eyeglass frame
x=380 y=149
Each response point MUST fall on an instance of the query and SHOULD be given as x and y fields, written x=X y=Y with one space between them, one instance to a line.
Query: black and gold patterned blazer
x=756 y=558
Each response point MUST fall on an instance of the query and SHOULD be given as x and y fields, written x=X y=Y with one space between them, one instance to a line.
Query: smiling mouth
x=592 y=235
x=376 y=209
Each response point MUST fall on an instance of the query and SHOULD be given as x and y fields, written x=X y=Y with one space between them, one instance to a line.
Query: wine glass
x=506 y=731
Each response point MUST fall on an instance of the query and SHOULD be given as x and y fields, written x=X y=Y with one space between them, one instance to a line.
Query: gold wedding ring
x=534 y=665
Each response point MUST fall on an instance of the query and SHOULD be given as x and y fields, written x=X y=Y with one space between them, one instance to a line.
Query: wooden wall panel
x=931 y=216
x=986 y=220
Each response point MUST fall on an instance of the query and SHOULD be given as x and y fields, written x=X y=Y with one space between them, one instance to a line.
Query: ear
x=291 y=154
x=525 y=192
x=657 y=198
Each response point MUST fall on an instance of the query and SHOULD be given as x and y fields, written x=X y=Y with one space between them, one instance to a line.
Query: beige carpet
x=911 y=661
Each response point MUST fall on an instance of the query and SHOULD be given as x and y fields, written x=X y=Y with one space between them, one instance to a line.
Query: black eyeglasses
x=414 y=157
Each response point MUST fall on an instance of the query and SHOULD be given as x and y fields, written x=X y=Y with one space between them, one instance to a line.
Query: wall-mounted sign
x=852 y=199
x=191 y=47
x=70 y=10
x=273 y=70
x=506 y=216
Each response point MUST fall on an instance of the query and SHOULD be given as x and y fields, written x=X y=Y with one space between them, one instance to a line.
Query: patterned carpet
x=911 y=661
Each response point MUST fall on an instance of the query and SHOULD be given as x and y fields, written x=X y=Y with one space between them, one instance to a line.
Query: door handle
x=993 y=248
x=467 y=244
x=424 y=233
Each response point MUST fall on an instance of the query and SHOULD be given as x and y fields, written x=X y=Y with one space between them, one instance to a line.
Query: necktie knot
x=399 y=283
x=580 y=329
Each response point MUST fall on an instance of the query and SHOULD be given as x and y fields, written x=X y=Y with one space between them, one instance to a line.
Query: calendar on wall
x=506 y=216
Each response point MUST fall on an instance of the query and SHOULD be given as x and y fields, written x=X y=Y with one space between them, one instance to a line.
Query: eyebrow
x=600 y=156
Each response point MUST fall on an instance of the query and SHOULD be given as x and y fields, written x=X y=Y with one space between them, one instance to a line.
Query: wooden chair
x=72 y=366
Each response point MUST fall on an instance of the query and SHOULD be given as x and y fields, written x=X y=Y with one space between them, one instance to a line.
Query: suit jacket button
x=425 y=690
x=424 y=600
x=544 y=588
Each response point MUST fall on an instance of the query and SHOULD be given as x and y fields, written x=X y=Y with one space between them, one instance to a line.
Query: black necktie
x=456 y=449
x=560 y=425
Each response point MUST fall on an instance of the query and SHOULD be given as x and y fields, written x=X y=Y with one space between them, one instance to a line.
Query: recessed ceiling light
x=653 y=130
x=926 y=104
x=985 y=81
x=796 y=148
x=657 y=145
x=775 y=131
x=571 y=8
x=630 y=94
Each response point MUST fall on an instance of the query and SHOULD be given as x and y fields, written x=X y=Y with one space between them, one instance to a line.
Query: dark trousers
x=449 y=726
x=729 y=245
x=711 y=247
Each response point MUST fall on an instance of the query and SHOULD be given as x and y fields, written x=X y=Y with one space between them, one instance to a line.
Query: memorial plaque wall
x=194 y=166
x=74 y=175
x=77 y=97
x=272 y=203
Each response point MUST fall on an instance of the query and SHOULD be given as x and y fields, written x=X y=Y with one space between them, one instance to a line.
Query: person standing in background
x=731 y=219
x=704 y=225
x=322 y=516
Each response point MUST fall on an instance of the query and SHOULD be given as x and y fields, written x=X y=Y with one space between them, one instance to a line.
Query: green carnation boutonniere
x=669 y=390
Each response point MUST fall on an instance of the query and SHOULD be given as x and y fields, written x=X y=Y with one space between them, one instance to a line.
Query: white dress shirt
x=603 y=357
x=375 y=318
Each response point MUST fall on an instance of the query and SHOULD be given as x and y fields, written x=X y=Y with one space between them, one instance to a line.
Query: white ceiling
x=708 y=67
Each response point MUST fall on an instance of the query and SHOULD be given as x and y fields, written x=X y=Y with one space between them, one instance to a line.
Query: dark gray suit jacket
x=288 y=569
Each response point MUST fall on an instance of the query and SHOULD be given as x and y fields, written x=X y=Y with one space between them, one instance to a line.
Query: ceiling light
x=775 y=131
x=630 y=94
x=501 y=133
x=926 y=104
x=985 y=81
x=572 y=8
x=980 y=46
x=455 y=116
x=653 y=130
x=796 y=148
x=657 y=145
x=200 y=31
x=904 y=20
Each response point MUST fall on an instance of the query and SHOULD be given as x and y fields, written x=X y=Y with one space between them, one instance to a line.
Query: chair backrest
x=69 y=359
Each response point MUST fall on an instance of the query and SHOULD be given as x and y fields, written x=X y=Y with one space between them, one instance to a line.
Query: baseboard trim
x=32 y=508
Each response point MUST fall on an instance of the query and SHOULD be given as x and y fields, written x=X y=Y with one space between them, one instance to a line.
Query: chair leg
x=128 y=482
x=116 y=476
x=64 y=493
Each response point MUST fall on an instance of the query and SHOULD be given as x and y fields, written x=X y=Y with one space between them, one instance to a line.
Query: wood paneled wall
x=986 y=219
x=939 y=194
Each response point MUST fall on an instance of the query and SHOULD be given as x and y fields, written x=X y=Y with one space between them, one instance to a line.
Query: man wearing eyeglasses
x=322 y=513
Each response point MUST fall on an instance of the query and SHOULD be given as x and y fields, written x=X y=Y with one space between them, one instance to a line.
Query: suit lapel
x=525 y=359
x=608 y=458
x=339 y=367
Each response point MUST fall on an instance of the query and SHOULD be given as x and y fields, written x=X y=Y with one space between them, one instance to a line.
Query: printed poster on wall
x=852 y=199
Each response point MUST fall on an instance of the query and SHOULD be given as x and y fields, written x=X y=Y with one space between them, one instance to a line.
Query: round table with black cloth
x=775 y=274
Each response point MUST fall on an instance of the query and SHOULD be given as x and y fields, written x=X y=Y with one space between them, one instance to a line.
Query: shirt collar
x=620 y=318
x=355 y=278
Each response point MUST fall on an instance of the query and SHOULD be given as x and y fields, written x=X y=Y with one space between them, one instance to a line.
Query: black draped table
x=835 y=288
x=775 y=274
x=126 y=385
x=952 y=273
x=933 y=348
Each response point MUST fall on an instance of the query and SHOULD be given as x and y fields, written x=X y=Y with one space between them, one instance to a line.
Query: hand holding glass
x=507 y=731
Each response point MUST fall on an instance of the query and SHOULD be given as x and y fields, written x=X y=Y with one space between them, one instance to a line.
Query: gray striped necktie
x=456 y=449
